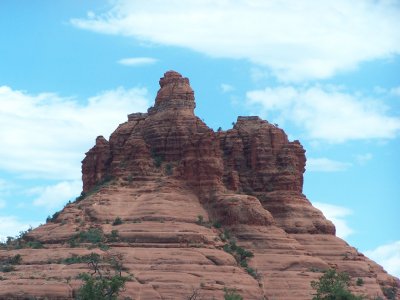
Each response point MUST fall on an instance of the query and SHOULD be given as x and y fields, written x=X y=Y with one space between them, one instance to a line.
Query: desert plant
x=113 y=237
x=101 y=284
x=332 y=286
x=93 y=235
x=200 y=220
x=34 y=245
x=15 y=260
x=168 y=169
x=7 y=268
x=117 y=221
x=390 y=292
x=232 y=295
x=53 y=218
x=360 y=281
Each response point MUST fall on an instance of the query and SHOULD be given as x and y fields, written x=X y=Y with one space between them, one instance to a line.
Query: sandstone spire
x=189 y=211
x=175 y=93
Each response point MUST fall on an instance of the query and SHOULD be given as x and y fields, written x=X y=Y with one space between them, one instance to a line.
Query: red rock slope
x=184 y=194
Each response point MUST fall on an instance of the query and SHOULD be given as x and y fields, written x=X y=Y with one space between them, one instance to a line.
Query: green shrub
x=232 y=295
x=217 y=224
x=15 y=260
x=93 y=235
x=75 y=259
x=200 y=220
x=100 y=284
x=360 y=281
x=157 y=159
x=6 y=268
x=333 y=285
x=252 y=272
x=113 y=237
x=117 y=221
x=34 y=245
x=53 y=218
x=168 y=169
x=390 y=292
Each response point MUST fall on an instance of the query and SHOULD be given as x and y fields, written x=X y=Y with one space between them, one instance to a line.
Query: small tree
x=333 y=286
x=101 y=284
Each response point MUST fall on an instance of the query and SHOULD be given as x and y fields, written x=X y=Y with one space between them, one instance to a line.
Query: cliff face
x=184 y=193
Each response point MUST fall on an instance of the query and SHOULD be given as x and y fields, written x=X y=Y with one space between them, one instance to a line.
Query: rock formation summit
x=183 y=207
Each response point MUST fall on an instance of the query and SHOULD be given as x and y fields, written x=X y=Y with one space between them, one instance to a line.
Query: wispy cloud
x=297 y=41
x=54 y=196
x=226 y=88
x=45 y=135
x=395 y=91
x=326 y=112
x=326 y=165
x=388 y=256
x=137 y=61
x=337 y=214
x=362 y=159
x=2 y=203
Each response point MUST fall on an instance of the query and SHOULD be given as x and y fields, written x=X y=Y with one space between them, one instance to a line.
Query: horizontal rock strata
x=176 y=201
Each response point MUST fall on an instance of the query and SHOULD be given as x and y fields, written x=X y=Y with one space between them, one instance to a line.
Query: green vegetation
x=332 y=286
x=117 y=221
x=107 y=180
x=14 y=260
x=360 y=281
x=232 y=295
x=7 y=265
x=241 y=255
x=200 y=220
x=209 y=224
x=23 y=240
x=53 y=218
x=157 y=159
x=169 y=169
x=7 y=268
x=34 y=245
x=75 y=259
x=390 y=292
x=113 y=237
x=93 y=236
x=105 y=280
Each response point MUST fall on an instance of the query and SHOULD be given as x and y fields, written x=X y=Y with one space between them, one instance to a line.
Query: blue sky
x=327 y=73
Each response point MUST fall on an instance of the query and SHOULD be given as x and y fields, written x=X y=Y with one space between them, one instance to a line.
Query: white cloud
x=388 y=256
x=137 y=61
x=326 y=165
x=46 y=136
x=395 y=91
x=362 y=159
x=2 y=203
x=296 y=40
x=11 y=226
x=54 y=196
x=326 y=112
x=226 y=88
x=337 y=215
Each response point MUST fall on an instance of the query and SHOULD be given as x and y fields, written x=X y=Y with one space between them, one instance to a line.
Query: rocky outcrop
x=186 y=199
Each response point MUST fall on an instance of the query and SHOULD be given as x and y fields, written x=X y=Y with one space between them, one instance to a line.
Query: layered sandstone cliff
x=185 y=194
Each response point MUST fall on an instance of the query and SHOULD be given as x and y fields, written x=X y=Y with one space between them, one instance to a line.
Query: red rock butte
x=186 y=199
